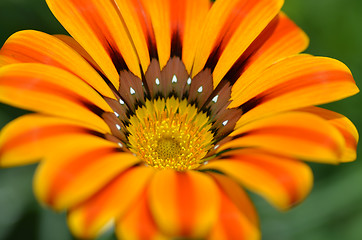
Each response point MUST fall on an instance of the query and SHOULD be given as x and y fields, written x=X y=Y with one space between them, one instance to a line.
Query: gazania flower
x=155 y=114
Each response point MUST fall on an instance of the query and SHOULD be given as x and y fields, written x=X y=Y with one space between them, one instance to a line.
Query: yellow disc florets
x=170 y=134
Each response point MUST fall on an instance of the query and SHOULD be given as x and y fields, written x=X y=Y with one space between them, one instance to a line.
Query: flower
x=154 y=113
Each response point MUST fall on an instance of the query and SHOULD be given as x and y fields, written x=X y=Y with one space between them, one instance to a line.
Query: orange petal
x=286 y=40
x=138 y=223
x=36 y=47
x=232 y=26
x=159 y=12
x=232 y=223
x=133 y=17
x=184 y=204
x=88 y=219
x=297 y=134
x=234 y=193
x=344 y=126
x=71 y=42
x=291 y=83
x=31 y=137
x=282 y=181
x=98 y=28
x=78 y=169
x=195 y=15
x=51 y=90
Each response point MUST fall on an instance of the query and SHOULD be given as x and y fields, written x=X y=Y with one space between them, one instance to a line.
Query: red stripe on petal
x=39 y=134
x=62 y=179
x=283 y=176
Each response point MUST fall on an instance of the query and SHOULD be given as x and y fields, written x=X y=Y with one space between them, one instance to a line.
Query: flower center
x=170 y=134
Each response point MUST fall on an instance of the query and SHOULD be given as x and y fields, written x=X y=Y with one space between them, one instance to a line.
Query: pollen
x=170 y=134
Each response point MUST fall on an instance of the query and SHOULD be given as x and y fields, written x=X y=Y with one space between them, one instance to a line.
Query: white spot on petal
x=216 y=146
x=116 y=113
x=225 y=122
x=121 y=101
x=157 y=81
x=206 y=162
x=132 y=91
x=189 y=81
x=215 y=98
x=120 y=144
x=118 y=127
x=200 y=89
x=174 y=79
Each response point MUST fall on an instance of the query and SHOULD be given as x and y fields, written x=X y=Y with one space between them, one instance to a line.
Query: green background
x=332 y=211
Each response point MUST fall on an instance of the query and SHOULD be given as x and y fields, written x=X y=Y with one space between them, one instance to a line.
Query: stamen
x=164 y=134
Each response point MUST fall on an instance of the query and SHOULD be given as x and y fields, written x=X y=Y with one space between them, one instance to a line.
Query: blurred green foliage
x=332 y=211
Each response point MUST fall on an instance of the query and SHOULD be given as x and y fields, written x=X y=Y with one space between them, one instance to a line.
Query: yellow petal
x=36 y=47
x=184 y=203
x=344 y=126
x=138 y=223
x=294 y=82
x=286 y=40
x=78 y=169
x=32 y=137
x=88 y=219
x=51 y=90
x=98 y=28
x=283 y=181
x=296 y=134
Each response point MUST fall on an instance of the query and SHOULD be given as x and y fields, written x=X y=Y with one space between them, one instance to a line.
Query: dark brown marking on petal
x=217 y=145
x=152 y=77
x=93 y=108
x=120 y=110
x=176 y=45
x=117 y=127
x=131 y=90
x=117 y=58
x=218 y=100
x=225 y=122
x=122 y=145
x=213 y=57
x=174 y=78
x=240 y=135
x=108 y=82
x=238 y=67
x=252 y=103
x=95 y=133
x=152 y=48
x=201 y=88
x=295 y=84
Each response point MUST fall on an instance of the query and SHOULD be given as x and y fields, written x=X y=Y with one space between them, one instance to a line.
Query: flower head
x=154 y=113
